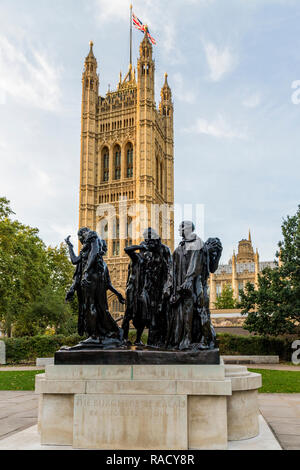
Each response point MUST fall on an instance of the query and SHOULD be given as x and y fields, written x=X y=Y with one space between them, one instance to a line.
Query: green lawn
x=18 y=380
x=279 y=381
x=274 y=381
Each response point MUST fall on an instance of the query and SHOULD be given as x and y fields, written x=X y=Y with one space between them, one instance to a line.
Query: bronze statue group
x=166 y=294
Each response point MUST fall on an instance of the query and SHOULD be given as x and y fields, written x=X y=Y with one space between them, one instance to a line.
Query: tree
x=5 y=210
x=22 y=267
x=274 y=307
x=226 y=299
x=33 y=281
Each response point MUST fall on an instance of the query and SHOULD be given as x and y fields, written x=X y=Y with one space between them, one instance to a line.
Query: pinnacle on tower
x=165 y=106
x=249 y=237
x=146 y=46
x=166 y=90
x=91 y=53
x=90 y=79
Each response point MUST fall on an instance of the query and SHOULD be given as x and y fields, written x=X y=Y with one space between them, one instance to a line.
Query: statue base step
x=134 y=355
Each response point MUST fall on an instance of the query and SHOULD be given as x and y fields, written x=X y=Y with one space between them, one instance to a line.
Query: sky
x=234 y=71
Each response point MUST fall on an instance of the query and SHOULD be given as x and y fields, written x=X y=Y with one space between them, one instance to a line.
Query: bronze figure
x=190 y=325
x=146 y=291
x=91 y=282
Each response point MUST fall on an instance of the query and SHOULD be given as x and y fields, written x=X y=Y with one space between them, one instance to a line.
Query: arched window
x=105 y=164
x=103 y=229
x=128 y=241
x=116 y=237
x=117 y=162
x=129 y=156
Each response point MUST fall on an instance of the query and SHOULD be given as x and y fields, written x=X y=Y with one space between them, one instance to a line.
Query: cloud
x=221 y=61
x=252 y=101
x=28 y=77
x=218 y=128
x=181 y=91
x=108 y=10
x=43 y=183
x=62 y=231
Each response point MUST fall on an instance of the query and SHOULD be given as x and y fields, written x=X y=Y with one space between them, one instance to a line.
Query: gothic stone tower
x=127 y=161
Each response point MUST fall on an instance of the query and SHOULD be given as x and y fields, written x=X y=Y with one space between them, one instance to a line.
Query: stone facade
x=242 y=268
x=126 y=161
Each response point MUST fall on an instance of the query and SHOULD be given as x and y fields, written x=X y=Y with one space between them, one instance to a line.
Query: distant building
x=242 y=268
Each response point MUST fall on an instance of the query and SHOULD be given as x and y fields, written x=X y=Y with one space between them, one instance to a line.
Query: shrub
x=28 y=348
x=256 y=345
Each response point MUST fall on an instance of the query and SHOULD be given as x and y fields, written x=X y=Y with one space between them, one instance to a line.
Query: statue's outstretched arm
x=74 y=259
x=131 y=251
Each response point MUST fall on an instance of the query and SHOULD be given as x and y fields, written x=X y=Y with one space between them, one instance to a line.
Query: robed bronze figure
x=91 y=283
x=190 y=324
x=147 y=294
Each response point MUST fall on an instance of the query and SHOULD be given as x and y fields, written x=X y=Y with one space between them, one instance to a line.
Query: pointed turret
x=165 y=105
x=90 y=77
x=146 y=70
x=249 y=237
x=91 y=53
x=90 y=92
x=146 y=46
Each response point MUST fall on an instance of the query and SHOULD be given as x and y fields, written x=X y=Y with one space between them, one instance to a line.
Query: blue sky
x=231 y=65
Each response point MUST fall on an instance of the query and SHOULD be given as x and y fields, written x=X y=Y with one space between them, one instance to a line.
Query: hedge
x=256 y=345
x=27 y=349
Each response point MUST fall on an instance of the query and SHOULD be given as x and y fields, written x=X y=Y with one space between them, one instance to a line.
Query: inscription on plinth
x=130 y=422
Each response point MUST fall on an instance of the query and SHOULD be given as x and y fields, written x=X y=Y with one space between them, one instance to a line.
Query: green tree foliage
x=226 y=299
x=274 y=307
x=33 y=280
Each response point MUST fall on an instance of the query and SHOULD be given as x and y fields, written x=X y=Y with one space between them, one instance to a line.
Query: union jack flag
x=139 y=25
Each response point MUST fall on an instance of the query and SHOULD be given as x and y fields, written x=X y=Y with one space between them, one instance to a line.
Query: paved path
x=29 y=439
x=273 y=367
x=282 y=412
x=18 y=411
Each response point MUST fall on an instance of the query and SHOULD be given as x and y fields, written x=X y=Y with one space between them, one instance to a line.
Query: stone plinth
x=242 y=404
x=141 y=406
x=250 y=359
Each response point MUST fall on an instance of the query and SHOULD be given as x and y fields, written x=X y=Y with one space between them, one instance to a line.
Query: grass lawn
x=18 y=380
x=274 y=381
x=279 y=381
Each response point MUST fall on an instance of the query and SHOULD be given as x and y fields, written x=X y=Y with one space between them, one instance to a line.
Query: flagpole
x=130 y=36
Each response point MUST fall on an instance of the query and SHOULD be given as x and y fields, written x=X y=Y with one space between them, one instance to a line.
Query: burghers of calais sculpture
x=146 y=290
x=168 y=295
x=91 y=283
